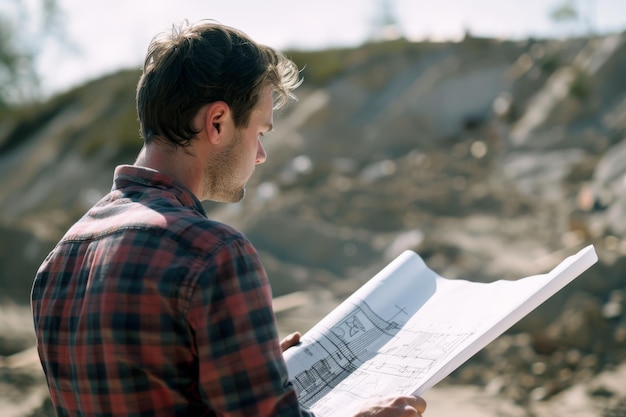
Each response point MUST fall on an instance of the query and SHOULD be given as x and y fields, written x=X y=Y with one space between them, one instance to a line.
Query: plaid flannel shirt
x=148 y=308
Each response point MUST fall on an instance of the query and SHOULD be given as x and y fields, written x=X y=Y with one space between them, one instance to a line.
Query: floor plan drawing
x=407 y=328
x=347 y=348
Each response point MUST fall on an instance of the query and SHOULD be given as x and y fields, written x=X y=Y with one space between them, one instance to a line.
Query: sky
x=103 y=36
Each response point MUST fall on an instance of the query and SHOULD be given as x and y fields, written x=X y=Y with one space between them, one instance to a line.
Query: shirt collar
x=131 y=175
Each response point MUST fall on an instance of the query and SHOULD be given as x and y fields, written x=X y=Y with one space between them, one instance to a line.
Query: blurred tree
x=571 y=11
x=385 y=25
x=565 y=12
x=24 y=27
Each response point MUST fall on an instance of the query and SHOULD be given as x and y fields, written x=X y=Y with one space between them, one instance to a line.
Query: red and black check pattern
x=148 y=308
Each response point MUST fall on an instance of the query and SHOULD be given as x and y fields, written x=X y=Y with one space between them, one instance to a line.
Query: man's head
x=194 y=65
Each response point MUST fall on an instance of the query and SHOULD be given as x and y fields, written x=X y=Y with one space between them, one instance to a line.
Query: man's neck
x=178 y=163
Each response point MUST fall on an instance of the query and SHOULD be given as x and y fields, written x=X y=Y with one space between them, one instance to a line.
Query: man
x=148 y=308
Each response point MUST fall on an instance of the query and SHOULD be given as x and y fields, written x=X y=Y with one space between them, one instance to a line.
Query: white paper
x=408 y=328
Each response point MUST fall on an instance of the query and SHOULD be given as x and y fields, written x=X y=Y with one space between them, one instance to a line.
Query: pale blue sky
x=114 y=34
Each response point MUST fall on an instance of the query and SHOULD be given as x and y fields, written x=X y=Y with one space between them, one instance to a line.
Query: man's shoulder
x=188 y=227
x=204 y=233
x=180 y=225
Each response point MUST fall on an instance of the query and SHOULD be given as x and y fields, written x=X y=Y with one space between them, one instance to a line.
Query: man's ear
x=217 y=121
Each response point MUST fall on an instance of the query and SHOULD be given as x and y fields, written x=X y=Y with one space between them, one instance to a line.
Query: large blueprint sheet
x=407 y=328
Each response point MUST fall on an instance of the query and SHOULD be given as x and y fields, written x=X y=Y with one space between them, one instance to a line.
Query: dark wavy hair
x=193 y=65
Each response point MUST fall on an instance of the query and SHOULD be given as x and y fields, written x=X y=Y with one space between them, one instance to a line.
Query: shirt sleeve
x=241 y=367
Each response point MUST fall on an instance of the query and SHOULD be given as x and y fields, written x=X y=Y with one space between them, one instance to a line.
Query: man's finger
x=289 y=341
x=418 y=403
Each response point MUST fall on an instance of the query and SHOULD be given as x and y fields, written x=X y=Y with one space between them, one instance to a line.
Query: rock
x=604 y=394
x=581 y=324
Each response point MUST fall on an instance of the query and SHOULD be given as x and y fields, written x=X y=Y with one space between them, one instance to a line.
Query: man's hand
x=289 y=341
x=407 y=406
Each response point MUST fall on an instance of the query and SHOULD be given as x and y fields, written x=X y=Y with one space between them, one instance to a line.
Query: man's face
x=229 y=170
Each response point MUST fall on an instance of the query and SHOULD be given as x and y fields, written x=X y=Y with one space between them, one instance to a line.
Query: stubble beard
x=221 y=179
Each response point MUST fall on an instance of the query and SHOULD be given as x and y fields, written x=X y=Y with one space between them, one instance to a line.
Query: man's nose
x=261 y=155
